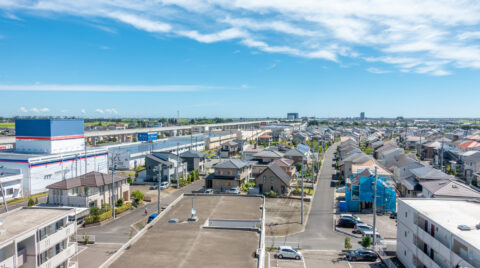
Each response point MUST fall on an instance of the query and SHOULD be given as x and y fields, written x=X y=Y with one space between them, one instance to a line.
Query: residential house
x=250 y=150
x=287 y=165
x=359 y=192
x=229 y=149
x=274 y=178
x=471 y=164
x=469 y=145
x=263 y=158
x=195 y=160
x=449 y=188
x=164 y=166
x=265 y=139
x=387 y=157
x=228 y=174
x=346 y=164
x=90 y=190
x=411 y=187
x=299 y=138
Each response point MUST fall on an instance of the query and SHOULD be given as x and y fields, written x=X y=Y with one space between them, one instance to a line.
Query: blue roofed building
x=359 y=192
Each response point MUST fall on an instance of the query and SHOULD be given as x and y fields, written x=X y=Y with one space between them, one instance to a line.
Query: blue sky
x=244 y=59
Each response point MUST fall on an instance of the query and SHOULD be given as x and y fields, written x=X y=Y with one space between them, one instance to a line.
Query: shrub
x=36 y=200
x=173 y=181
x=366 y=242
x=348 y=245
x=129 y=180
x=246 y=186
x=122 y=208
x=119 y=203
x=270 y=194
x=137 y=194
x=31 y=202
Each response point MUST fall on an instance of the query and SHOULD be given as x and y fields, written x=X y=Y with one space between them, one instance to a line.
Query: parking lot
x=386 y=227
x=319 y=258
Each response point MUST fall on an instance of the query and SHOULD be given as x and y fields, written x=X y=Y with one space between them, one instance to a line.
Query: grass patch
x=15 y=201
x=7 y=124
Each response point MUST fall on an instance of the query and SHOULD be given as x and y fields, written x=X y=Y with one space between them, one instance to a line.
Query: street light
x=156 y=169
x=114 y=166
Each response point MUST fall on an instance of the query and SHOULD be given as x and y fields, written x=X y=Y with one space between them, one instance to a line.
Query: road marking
x=106 y=243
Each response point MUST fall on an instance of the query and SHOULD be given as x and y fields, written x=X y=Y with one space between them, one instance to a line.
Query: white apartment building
x=438 y=233
x=34 y=237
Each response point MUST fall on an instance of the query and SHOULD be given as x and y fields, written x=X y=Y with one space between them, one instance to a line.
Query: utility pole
x=176 y=169
x=157 y=169
x=303 y=177
x=113 y=187
x=375 y=208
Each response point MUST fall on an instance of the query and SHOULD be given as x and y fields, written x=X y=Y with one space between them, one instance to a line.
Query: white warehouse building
x=51 y=150
x=438 y=233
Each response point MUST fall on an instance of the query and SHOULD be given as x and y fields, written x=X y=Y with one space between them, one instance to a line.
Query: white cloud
x=36 y=110
x=377 y=71
x=111 y=111
x=83 y=111
x=440 y=31
x=23 y=109
x=100 y=111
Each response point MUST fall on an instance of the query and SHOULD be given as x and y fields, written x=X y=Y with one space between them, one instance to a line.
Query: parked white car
x=164 y=185
x=232 y=190
x=288 y=252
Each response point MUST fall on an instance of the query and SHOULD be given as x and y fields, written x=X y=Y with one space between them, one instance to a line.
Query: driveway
x=319 y=232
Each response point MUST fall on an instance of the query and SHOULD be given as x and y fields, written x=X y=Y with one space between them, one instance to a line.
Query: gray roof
x=279 y=172
x=429 y=173
x=231 y=163
x=91 y=179
x=192 y=154
x=294 y=152
x=357 y=158
x=449 y=188
x=159 y=160
x=268 y=153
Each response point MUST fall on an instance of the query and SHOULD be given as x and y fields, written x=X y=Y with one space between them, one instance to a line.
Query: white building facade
x=51 y=150
x=11 y=184
x=42 y=241
x=428 y=233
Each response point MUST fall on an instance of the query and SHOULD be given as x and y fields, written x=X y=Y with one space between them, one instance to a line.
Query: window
x=405 y=252
x=47 y=177
x=9 y=191
x=355 y=193
x=406 y=215
x=405 y=233
x=74 y=191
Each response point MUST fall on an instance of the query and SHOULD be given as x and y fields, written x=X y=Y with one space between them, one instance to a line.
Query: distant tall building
x=292 y=116
x=362 y=116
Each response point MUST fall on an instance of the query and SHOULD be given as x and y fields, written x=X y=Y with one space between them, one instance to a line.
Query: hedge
x=125 y=206
x=108 y=214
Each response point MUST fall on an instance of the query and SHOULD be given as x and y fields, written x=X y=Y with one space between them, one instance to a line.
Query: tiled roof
x=231 y=163
x=469 y=144
x=192 y=154
x=91 y=179
x=449 y=188
x=279 y=172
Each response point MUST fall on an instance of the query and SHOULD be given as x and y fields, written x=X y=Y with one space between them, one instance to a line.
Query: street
x=319 y=232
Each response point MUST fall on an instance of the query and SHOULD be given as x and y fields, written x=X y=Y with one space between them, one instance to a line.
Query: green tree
x=30 y=202
x=138 y=196
x=95 y=213
x=348 y=244
x=36 y=200
x=366 y=241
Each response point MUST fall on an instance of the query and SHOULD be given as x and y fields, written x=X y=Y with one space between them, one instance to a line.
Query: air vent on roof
x=464 y=227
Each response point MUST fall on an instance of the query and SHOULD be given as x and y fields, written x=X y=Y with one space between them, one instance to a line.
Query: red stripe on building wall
x=51 y=138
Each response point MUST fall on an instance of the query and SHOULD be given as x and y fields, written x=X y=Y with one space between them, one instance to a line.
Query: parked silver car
x=232 y=190
x=288 y=252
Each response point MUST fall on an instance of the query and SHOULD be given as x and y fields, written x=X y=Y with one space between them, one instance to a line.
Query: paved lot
x=95 y=255
x=386 y=227
x=283 y=216
x=187 y=244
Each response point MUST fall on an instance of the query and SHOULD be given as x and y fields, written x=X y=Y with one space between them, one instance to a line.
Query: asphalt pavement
x=42 y=199
x=319 y=232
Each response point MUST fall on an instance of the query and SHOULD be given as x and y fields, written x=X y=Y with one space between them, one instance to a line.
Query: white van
x=370 y=234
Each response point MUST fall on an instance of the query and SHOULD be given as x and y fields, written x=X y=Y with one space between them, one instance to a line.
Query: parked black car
x=362 y=254
x=393 y=215
x=346 y=222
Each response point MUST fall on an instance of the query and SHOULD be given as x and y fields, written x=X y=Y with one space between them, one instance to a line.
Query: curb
x=349 y=234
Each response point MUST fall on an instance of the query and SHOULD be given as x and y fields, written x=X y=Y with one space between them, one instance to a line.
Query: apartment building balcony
x=61 y=257
x=441 y=246
x=8 y=262
x=55 y=238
